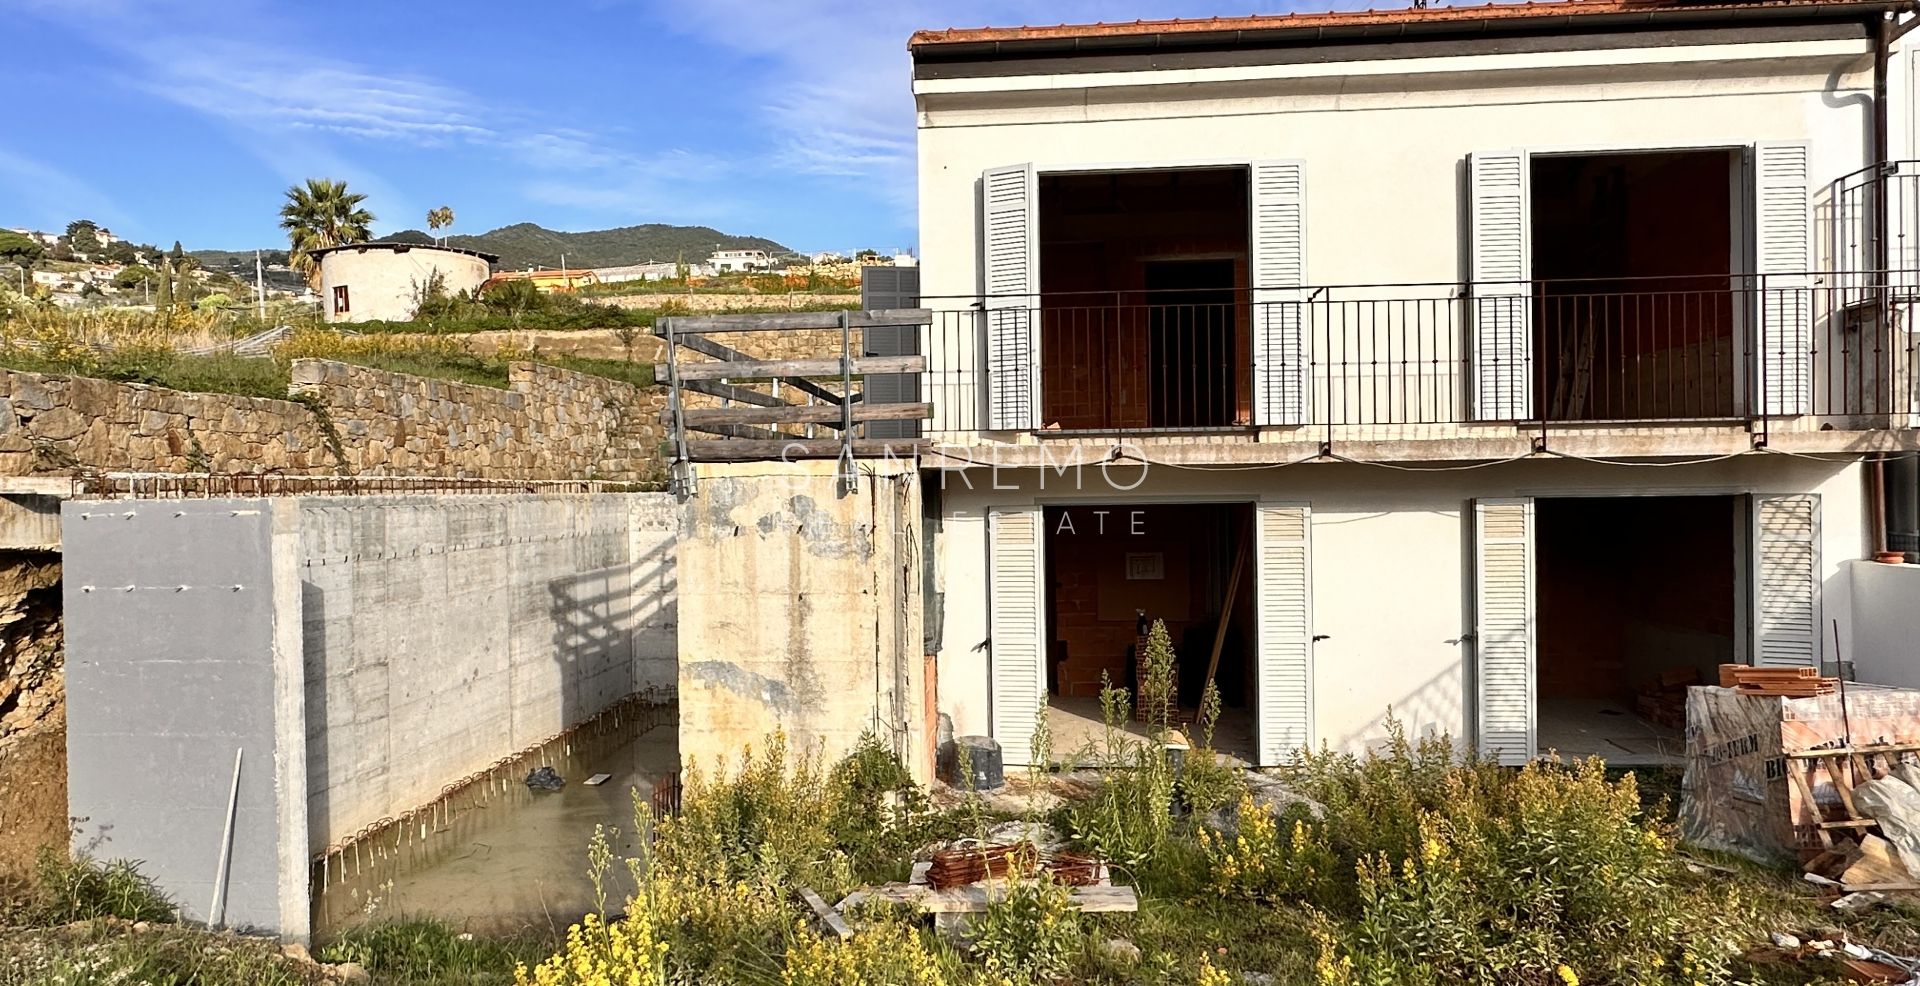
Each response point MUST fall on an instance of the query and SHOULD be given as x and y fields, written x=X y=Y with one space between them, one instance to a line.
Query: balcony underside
x=1677 y=443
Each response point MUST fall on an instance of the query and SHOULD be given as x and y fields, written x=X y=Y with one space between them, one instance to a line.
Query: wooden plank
x=760 y=369
x=754 y=450
x=1848 y=751
x=1841 y=785
x=727 y=391
x=794 y=321
x=821 y=414
x=1797 y=773
x=707 y=347
x=828 y=916
x=744 y=432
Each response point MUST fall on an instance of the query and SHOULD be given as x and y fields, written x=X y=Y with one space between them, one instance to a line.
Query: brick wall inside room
x=1092 y=605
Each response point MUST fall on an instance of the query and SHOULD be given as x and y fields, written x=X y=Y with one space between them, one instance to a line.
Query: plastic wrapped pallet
x=1736 y=796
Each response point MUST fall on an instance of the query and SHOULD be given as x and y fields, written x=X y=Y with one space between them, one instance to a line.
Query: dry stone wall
x=350 y=420
x=56 y=424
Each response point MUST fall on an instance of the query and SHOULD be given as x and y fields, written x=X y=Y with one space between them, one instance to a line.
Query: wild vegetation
x=1413 y=864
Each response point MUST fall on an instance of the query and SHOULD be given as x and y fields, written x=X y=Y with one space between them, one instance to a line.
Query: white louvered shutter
x=1500 y=303
x=1504 y=627
x=1278 y=222
x=1786 y=582
x=1783 y=257
x=1010 y=267
x=1017 y=625
x=1283 y=586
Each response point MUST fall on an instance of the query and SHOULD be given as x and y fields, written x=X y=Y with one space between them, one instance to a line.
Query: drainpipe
x=1877 y=504
x=1884 y=35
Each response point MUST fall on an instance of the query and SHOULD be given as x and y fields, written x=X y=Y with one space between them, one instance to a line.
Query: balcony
x=1755 y=356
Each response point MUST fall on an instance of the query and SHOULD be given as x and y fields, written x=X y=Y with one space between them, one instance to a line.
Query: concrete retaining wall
x=444 y=632
x=363 y=651
x=183 y=650
x=800 y=611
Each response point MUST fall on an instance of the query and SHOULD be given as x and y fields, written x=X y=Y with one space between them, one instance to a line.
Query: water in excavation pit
x=519 y=862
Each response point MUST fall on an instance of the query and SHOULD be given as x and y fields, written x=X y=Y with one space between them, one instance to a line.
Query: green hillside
x=525 y=244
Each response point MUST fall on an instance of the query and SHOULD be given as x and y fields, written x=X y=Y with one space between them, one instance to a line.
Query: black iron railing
x=1719 y=348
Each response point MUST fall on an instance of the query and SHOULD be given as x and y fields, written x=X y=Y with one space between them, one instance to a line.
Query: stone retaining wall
x=351 y=420
x=54 y=424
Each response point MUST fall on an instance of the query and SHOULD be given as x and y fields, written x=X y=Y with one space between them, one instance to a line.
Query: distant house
x=729 y=261
x=637 y=272
x=365 y=282
x=545 y=281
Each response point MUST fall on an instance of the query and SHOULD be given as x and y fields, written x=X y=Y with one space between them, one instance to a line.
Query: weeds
x=1029 y=931
x=82 y=888
x=164 y=956
x=1207 y=781
x=420 y=951
x=1131 y=817
x=885 y=953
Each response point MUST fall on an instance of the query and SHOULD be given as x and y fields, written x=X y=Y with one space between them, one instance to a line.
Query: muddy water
x=515 y=863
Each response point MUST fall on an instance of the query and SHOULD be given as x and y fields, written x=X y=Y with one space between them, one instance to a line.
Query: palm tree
x=439 y=219
x=323 y=214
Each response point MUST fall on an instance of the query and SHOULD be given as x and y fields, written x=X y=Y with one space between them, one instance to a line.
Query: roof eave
x=1438 y=22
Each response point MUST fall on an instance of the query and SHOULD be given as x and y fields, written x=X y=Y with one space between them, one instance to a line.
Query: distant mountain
x=525 y=244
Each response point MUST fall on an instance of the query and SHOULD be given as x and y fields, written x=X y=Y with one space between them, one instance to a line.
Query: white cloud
x=300 y=109
x=844 y=77
x=58 y=198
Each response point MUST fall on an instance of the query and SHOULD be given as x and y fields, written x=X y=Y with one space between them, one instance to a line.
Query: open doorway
x=1638 y=599
x=1635 y=254
x=1143 y=275
x=1111 y=566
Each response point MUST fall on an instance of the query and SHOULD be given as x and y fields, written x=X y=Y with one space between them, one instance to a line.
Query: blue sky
x=783 y=118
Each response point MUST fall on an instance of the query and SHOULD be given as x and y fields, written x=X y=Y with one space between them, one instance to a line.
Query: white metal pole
x=217 y=911
x=260 y=285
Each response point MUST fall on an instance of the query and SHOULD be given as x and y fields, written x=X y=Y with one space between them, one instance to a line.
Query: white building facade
x=364 y=282
x=1481 y=370
x=732 y=261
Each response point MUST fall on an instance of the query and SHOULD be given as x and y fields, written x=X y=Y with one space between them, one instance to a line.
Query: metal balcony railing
x=1536 y=355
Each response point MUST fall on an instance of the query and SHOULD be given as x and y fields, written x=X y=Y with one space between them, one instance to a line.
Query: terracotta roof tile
x=1346 y=18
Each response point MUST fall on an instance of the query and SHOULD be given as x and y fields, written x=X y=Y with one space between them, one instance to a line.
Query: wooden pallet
x=1845 y=766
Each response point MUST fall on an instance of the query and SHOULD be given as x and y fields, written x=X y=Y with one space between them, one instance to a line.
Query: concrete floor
x=1608 y=729
x=520 y=864
x=1079 y=730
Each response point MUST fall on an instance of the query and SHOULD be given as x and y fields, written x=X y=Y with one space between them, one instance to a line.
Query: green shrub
x=1029 y=932
x=764 y=821
x=1268 y=857
x=81 y=888
x=599 y=952
x=1130 y=819
x=884 y=953
x=162 y=957
x=879 y=816
x=1207 y=781
x=418 y=951
x=1443 y=870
